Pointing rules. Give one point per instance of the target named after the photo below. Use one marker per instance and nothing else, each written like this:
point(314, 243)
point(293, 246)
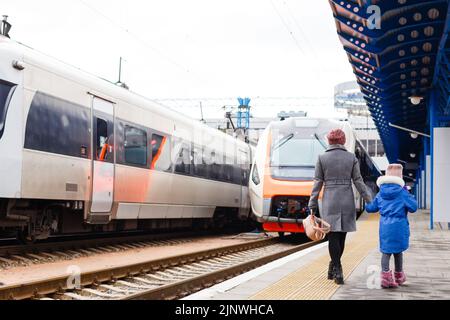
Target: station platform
point(303, 275)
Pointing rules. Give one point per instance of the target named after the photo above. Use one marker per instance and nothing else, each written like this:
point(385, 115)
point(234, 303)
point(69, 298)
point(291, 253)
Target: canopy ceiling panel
point(401, 53)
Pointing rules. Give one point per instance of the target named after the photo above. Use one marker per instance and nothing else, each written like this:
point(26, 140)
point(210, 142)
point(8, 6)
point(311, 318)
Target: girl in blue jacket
point(393, 202)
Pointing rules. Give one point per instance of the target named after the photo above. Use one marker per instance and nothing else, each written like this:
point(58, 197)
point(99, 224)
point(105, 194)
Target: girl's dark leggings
point(398, 260)
point(336, 245)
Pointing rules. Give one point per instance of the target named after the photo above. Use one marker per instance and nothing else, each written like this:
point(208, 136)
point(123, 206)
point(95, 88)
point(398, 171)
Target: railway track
point(168, 278)
point(22, 255)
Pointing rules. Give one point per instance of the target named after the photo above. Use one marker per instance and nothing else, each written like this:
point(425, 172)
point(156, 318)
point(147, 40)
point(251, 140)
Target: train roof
point(106, 87)
point(309, 123)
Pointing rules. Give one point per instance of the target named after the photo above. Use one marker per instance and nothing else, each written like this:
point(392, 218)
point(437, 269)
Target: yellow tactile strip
point(310, 282)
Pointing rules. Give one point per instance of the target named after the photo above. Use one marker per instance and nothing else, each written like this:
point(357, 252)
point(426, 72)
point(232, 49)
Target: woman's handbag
point(316, 228)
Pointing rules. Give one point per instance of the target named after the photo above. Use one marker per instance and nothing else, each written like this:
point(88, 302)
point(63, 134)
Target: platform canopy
point(398, 49)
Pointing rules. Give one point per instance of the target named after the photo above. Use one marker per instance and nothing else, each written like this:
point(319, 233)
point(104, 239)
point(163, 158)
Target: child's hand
point(373, 206)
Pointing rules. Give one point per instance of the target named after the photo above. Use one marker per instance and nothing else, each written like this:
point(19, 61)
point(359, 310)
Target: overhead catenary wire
point(307, 42)
point(286, 25)
point(196, 99)
point(302, 33)
point(259, 102)
point(145, 43)
point(256, 100)
point(137, 38)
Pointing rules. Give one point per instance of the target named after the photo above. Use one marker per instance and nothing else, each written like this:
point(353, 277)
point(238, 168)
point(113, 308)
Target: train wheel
point(301, 237)
point(281, 235)
point(23, 237)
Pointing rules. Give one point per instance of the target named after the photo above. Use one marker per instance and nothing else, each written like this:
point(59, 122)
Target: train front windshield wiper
point(320, 141)
point(282, 141)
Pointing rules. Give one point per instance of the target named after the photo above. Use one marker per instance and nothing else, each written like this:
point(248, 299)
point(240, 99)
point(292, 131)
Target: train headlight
point(255, 176)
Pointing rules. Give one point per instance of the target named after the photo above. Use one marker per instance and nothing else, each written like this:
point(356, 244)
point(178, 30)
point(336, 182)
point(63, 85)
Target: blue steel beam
point(400, 59)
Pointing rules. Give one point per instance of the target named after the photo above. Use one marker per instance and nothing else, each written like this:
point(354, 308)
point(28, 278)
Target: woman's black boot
point(331, 271)
point(339, 275)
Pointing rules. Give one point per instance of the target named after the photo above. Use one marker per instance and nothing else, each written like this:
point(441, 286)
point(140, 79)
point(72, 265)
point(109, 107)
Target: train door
point(102, 160)
point(359, 202)
point(244, 163)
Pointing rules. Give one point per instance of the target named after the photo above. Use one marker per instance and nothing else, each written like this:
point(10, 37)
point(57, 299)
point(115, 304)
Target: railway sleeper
point(175, 272)
point(170, 276)
point(76, 296)
point(205, 266)
point(136, 285)
point(208, 263)
point(149, 282)
point(36, 257)
point(156, 277)
point(224, 260)
point(7, 261)
point(101, 294)
point(116, 288)
point(196, 268)
point(188, 271)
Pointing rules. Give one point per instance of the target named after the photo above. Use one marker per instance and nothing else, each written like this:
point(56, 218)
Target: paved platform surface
point(303, 275)
point(426, 263)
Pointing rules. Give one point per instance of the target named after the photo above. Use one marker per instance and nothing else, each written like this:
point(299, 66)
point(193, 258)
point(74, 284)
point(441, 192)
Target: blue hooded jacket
point(393, 202)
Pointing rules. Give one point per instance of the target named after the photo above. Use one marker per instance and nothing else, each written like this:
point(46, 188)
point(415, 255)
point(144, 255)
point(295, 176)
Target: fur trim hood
point(390, 179)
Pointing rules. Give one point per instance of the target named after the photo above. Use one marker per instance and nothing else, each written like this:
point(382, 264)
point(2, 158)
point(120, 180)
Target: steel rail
point(182, 288)
point(60, 284)
point(93, 242)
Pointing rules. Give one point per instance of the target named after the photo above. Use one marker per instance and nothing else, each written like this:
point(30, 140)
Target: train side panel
point(55, 168)
point(11, 117)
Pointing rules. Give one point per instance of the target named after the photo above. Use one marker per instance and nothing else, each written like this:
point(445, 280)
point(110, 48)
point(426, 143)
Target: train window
point(380, 148)
point(285, 153)
point(371, 148)
point(246, 175)
point(215, 169)
point(135, 146)
point(227, 172)
point(244, 168)
point(208, 162)
point(238, 174)
point(358, 153)
point(156, 143)
point(255, 176)
point(6, 92)
point(183, 158)
point(101, 140)
point(363, 165)
point(59, 126)
point(160, 153)
point(199, 166)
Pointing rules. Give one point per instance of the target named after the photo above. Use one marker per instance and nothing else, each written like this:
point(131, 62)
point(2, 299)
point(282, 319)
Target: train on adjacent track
point(81, 154)
point(282, 174)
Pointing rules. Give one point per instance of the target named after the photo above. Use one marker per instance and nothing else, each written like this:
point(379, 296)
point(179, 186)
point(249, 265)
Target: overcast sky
point(192, 48)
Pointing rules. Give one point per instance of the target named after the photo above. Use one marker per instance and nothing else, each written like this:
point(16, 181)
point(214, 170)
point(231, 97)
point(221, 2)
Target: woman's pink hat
point(395, 170)
point(336, 136)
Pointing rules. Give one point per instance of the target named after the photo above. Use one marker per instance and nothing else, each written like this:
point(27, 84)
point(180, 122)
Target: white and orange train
point(79, 154)
point(282, 174)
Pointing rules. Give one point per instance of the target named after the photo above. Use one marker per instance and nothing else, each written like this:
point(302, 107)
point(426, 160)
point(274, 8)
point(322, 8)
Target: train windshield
point(294, 158)
point(6, 91)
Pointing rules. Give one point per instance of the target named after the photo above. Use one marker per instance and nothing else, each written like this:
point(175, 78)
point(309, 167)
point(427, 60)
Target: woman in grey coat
point(335, 171)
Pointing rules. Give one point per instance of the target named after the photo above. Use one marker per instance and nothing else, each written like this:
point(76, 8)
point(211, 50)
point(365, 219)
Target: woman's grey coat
point(335, 170)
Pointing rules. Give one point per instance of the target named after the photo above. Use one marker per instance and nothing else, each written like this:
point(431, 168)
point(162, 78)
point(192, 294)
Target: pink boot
point(400, 277)
point(387, 280)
